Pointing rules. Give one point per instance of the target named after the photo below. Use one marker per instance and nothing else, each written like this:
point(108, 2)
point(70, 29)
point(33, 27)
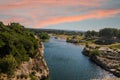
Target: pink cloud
point(41, 13)
point(36, 23)
point(48, 3)
point(92, 15)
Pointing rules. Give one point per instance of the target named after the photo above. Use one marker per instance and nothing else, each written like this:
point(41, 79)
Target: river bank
point(108, 59)
point(34, 69)
point(66, 62)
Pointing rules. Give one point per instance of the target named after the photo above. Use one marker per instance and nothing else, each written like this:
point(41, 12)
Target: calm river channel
point(66, 62)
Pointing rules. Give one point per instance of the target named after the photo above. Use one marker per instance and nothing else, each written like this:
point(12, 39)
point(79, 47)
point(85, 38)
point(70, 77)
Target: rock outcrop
point(36, 66)
point(108, 60)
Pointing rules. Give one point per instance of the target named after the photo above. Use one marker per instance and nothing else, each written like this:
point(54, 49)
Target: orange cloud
point(49, 3)
point(94, 14)
point(98, 14)
point(41, 13)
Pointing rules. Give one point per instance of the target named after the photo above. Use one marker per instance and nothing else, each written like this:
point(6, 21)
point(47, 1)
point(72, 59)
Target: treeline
point(53, 31)
point(16, 45)
point(43, 36)
point(104, 36)
point(106, 32)
point(109, 33)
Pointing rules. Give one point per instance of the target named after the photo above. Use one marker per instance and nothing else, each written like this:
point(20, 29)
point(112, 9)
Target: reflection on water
point(66, 62)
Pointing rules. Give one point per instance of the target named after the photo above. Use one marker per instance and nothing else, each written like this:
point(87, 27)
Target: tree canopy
point(43, 36)
point(90, 34)
point(17, 44)
point(109, 32)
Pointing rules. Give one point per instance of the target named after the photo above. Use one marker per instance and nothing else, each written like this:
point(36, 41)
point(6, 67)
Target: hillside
point(19, 49)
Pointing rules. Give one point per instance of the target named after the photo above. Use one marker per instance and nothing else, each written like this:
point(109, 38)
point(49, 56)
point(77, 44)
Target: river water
point(66, 62)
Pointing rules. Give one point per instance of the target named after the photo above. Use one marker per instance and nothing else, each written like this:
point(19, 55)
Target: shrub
point(1, 43)
point(44, 36)
point(95, 52)
point(8, 65)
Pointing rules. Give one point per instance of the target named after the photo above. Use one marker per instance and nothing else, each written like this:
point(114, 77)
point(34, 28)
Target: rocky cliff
point(34, 69)
point(108, 59)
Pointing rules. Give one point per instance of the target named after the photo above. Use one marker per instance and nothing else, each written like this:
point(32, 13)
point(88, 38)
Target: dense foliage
point(16, 45)
point(91, 34)
point(109, 32)
point(59, 32)
point(106, 33)
point(95, 52)
point(44, 36)
point(104, 36)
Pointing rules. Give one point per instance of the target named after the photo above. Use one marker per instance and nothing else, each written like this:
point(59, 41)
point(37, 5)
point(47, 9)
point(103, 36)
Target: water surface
point(66, 62)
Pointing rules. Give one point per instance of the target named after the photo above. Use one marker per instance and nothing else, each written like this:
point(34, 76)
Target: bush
point(8, 65)
point(44, 36)
point(1, 43)
point(95, 52)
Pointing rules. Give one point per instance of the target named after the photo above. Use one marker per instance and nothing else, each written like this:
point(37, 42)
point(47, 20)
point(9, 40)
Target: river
point(66, 62)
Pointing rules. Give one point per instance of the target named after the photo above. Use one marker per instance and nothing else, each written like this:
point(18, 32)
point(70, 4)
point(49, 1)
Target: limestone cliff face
point(35, 67)
point(109, 63)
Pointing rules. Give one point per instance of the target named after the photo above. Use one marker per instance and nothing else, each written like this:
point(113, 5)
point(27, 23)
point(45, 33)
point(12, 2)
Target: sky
point(80, 15)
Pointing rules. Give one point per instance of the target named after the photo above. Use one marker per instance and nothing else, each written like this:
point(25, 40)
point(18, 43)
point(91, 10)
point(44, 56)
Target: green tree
point(44, 36)
point(8, 64)
point(88, 34)
point(108, 32)
point(91, 34)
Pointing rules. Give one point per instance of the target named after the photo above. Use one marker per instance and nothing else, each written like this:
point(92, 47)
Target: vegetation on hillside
point(95, 52)
point(91, 34)
point(16, 45)
point(44, 36)
point(109, 32)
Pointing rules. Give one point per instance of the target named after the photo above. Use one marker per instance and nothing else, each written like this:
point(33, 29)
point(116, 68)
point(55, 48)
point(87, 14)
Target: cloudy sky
point(62, 14)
